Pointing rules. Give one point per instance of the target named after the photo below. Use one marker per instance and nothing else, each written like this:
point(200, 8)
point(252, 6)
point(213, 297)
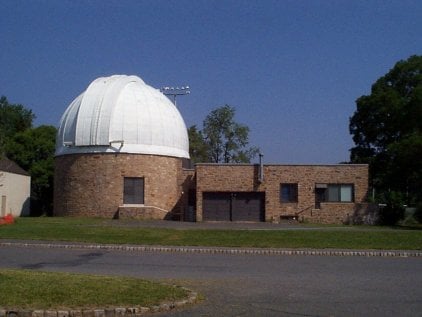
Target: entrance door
point(319, 197)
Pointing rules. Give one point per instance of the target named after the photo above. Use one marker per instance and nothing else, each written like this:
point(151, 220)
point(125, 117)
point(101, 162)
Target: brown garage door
point(233, 206)
point(216, 206)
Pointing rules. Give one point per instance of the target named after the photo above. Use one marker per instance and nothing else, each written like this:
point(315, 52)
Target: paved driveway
point(251, 285)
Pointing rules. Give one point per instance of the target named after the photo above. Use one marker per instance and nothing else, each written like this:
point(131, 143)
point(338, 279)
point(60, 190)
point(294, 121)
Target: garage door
point(216, 206)
point(233, 206)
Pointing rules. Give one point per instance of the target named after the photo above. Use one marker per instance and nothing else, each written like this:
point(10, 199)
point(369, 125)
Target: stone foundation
point(143, 213)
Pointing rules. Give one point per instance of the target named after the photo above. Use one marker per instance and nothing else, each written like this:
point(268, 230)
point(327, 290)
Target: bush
point(393, 212)
point(418, 213)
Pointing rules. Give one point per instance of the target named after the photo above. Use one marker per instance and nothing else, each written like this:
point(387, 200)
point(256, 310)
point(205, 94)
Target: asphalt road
point(252, 285)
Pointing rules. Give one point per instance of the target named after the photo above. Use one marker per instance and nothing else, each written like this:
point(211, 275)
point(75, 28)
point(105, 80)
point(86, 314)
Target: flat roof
point(255, 164)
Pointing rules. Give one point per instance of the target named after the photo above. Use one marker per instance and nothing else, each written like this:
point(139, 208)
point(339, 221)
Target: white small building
point(15, 189)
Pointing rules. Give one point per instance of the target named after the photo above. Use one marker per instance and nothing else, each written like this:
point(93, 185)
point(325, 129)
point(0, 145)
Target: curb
point(211, 250)
point(104, 312)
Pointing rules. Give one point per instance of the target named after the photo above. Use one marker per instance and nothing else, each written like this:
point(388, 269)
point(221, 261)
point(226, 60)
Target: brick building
point(316, 193)
point(122, 150)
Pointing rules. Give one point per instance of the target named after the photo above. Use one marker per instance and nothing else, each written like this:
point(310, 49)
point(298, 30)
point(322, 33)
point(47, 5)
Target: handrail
point(304, 209)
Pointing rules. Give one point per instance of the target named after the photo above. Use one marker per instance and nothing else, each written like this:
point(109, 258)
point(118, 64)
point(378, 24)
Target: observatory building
point(121, 143)
point(122, 151)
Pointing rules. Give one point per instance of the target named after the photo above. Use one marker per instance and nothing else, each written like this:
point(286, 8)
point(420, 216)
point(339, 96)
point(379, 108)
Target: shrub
point(393, 212)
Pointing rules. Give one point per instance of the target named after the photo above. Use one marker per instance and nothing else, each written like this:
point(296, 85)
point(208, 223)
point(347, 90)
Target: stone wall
point(92, 184)
point(241, 177)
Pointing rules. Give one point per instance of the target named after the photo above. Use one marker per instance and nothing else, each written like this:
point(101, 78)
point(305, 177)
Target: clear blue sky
point(293, 69)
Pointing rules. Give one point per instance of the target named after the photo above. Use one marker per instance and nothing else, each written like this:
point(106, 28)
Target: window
point(334, 192)
point(288, 193)
point(346, 193)
point(340, 193)
point(133, 191)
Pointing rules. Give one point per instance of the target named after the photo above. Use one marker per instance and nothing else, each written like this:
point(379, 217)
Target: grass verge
point(20, 289)
point(100, 231)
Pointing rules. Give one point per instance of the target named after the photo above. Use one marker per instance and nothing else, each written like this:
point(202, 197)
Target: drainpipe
point(261, 168)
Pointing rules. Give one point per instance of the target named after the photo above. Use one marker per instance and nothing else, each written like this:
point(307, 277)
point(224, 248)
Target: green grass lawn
point(21, 289)
point(101, 231)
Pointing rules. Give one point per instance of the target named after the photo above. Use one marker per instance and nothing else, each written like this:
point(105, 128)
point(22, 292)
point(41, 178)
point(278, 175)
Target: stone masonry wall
point(239, 177)
point(92, 184)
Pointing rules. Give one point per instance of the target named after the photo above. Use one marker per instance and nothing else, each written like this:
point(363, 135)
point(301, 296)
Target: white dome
point(122, 114)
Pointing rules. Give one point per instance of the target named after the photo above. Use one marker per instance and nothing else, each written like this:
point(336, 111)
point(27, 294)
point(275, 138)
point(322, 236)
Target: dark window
point(334, 192)
point(133, 192)
point(288, 193)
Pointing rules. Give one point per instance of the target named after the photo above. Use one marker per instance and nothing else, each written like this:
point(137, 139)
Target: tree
point(198, 149)
point(387, 131)
point(14, 118)
point(222, 140)
point(33, 149)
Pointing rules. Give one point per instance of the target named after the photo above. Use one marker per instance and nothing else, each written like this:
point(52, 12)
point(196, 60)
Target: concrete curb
point(104, 312)
point(217, 250)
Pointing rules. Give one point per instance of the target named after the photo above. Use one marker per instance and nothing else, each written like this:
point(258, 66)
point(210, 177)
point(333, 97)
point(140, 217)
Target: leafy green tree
point(222, 139)
point(387, 131)
point(226, 139)
point(14, 118)
point(33, 149)
point(198, 149)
